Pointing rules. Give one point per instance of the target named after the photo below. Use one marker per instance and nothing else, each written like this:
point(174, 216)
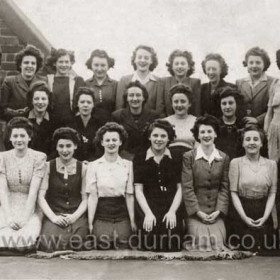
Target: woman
point(253, 186)
point(215, 67)
point(62, 197)
point(181, 66)
point(15, 88)
point(88, 120)
point(144, 60)
point(111, 193)
point(64, 84)
point(256, 88)
point(135, 118)
point(205, 188)
point(181, 98)
point(21, 173)
point(104, 87)
point(158, 192)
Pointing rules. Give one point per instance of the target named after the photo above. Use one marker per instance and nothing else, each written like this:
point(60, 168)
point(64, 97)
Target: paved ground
point(257, 268)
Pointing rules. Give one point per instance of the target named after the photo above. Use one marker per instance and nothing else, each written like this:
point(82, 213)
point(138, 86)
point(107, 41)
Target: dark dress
point(159, 187)
point(64, 197)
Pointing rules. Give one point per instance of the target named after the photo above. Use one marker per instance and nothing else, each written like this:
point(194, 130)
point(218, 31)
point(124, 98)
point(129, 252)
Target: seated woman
point(253, 186)
point(135, 118)
point(181, 98)
point(63, 84)
point(88, 120)
point(104, 87)
point(181, 66)
point(205, 189)
point(144, 60)
point(62, 197)
point(158, 192)
point(215, 67)
point(111, 193)
point(21, 173)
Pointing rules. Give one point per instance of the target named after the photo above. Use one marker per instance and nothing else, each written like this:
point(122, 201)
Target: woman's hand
point(250, 120)
point(60, 221)
point(13, 224)
point(202, 216)
point(133, 226)
point(213, 217)
point(249, 222)
point(260, 222)
point(70, 218)
point(170, 219)
point(149, 221)
point(90, 228)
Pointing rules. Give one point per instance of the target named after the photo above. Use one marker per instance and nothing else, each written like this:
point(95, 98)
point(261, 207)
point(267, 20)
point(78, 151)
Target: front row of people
point(177, 205)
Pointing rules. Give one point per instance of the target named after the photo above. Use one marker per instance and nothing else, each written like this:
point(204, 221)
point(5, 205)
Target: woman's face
point(213, 70)
point(206, 135)
point(180, 104)
point(40, 101)
point(111, 142)
point(252, 142)
point(99, 67)
point(85, 104)
point(228, 106)
point(20, 139)
point(65, 149)
point(158, 139)
point(143, 60)
point(255, 66)
point(180, 66)
point(28, 67)
point(63, 65)
point(135, 97)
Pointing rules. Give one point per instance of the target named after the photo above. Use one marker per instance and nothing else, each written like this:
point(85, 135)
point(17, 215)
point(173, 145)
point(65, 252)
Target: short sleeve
point(40, 165)
point(2, 165)
point(129, 186)
point(84, 172)
point(273, 176)
point(45, 181)
point(91, 180)
point(234, 175)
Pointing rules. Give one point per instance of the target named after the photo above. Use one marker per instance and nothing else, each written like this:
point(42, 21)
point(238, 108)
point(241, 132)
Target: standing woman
point(64, 84)
point(111, 193)
point(258, 87)
point(158, 192)
point(205, 188)
point(62, 196)
point(215, 67)
point(21, 173)
point(15, 88)
point(144, 60)
point(104, 87)
point(253, 186)
point(181, 66)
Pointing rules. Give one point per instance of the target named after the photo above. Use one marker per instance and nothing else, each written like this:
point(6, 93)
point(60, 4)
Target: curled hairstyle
point(165, 125)
point(110, 127)
point(252, 127)
point(153, 56)
point(39, 86)
point(179, 53)
point(29, 50)
point(56, 54)
point(205, 120)
point(138, 85)
point(181, 88)
point(81, 91)
point(68, 134)
point(257, 51)
point(19, 122)
point(217, 57)
point(101, 54)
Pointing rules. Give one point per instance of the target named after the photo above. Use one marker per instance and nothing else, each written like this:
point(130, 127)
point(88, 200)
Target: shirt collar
point(200, 154)
point(69, 169)
point(32, 115)
point(107, 80)
point(263, 78)
point(119, 160)
point(150, 153)
point(150, 77)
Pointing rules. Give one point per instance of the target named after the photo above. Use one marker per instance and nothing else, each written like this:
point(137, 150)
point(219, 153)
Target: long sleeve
point(120, 92)
point(160, 106)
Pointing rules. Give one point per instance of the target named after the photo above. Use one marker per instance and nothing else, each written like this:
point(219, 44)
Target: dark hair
point(179, 53)
point(181, 88)
point(39, 86)
point(101, 54)
point(153, 55)
point(205, 120)
point(19, 122)
point(56, 54)
point(110, 127)
point(252, 127)
point(217, 57)
point(81, 91)
point(165, 125)
point(29, 50)
point(138, 85)
point(278, 58)
point(257, 51)
point(66, 133)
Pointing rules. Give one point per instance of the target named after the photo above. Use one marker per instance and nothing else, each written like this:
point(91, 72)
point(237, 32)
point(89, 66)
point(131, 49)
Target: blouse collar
point(66, 169)
point(149, 77)
point(150, 153)
point(214, 155)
